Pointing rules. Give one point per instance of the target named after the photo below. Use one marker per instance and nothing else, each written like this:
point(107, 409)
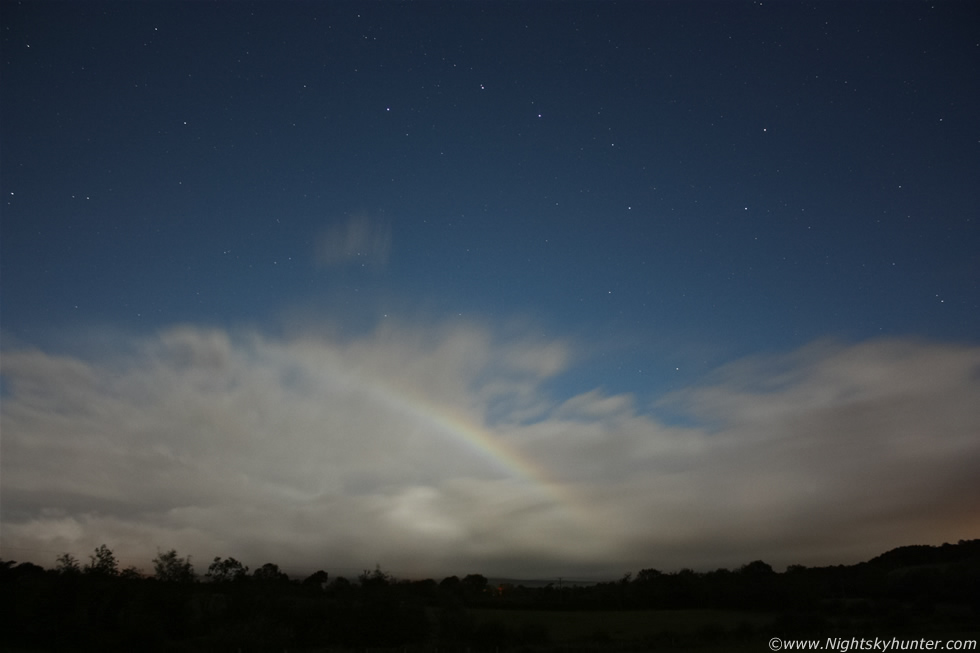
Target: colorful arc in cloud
point(487, 444)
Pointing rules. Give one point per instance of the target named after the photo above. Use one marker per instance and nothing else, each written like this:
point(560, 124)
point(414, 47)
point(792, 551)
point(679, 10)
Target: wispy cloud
point(358, 241)
point(398, 448)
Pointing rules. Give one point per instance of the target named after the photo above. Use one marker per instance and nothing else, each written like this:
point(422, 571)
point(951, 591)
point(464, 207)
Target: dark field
point(622, 628)
point(907, 593)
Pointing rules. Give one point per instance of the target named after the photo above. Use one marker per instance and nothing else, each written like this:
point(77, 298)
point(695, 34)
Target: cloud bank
point(437, 450)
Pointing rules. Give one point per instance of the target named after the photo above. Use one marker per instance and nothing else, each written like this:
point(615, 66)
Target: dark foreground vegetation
point(914, 591)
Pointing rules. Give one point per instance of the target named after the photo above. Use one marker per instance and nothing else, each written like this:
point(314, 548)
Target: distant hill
point(923, 554)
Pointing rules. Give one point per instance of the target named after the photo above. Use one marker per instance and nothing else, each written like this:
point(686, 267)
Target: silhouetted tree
point(269, 572)
point(102, 562)
point(229, 569)
point(67, 564)
point(450, 584)
point(756, 568)
point(647, 576)
point(131, 573)
point(340, 588)
point(475, 584)
point(649, 587)
point(317, 579)
point(99, 610)
point(374, 579)
point(170, 567)
point(427, 589)
point(27, 569)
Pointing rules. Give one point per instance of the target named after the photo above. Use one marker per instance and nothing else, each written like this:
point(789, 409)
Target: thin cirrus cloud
point(359, 240)
point(315, 452)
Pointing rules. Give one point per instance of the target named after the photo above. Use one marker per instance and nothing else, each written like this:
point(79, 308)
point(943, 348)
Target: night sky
point(524, 289)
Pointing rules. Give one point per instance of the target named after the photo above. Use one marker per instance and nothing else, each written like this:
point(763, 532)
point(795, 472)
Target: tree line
point(96, 605)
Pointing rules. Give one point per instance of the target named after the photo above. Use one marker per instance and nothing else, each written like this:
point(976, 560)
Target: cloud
point(412, 447)
point(360, 241)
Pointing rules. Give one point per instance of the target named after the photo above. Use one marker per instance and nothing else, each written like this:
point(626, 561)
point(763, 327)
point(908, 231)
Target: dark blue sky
point(735, 172)
point(670, 186)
